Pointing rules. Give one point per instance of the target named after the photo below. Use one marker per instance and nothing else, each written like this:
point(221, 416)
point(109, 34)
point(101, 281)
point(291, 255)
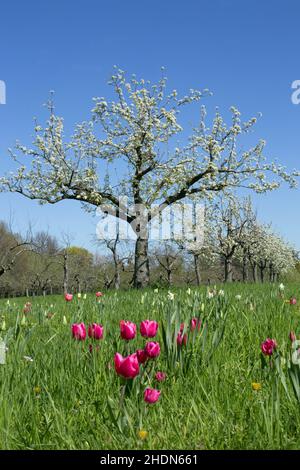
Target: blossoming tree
point(136, 133)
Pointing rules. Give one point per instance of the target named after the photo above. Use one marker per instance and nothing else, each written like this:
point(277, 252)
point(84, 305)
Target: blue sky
point(246, 53)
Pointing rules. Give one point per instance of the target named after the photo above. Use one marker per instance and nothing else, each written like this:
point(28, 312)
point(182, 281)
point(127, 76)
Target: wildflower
point(152, 349)
point(79, 295)
point(95, 331)
point(127, 330)
point(79, 331)
point(37, 390)
point(127, 367)
point(155, 291)
point(148, 328)
point(293, 301)
point(84, 296)
point(210, 295)
point(171, 296)
point(151, 395)
point(268, 346)
point(221, 293)
point(142, 434)
point(65, 322)
point(281, 287)
point(28, 358)
point(256, 386)
point(188, 291)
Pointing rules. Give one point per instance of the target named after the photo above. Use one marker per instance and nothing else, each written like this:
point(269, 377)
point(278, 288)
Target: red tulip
point(152, 349)
point(293, 301)
point(151, 395)
point(195, 323)
point(79, 331)
point(127, 329)
point(99, 294)
point(148, 328)
point(268, 346)
point(127, 367)
point(160, 376)
point(68, 297)
point(95, 331)
point(142, 356)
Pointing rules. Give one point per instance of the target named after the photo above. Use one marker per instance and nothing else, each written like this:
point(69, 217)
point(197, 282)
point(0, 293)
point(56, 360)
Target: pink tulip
point(292, 336)
point(182, 339)
point(95, 331)
point(152, 349)
point(79, 331)
point(195, 323)
point(268, 346)
point(127, 329)
point(99, 294)
point(127, 367)
point(142, 356)
point(148, 328)
point(151, 395)
point(68, 297)
point(160, 376)
point(293, 301)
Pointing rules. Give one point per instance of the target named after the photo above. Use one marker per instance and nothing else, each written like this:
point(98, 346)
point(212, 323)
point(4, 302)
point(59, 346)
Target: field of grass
point(57, 394)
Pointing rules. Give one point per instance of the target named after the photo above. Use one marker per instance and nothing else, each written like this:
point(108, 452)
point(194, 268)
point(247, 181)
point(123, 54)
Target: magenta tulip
point(160, 376)
point(195, 323)
point(148, 328)
point(127, 330)
point(79, 331)
point(68, 297)
point(151, 395)
point(95, 331)
point(127, 367)
point(152, 349)
point(268, 346)
point(292, 336)
point(182, 339)
point(142, 356)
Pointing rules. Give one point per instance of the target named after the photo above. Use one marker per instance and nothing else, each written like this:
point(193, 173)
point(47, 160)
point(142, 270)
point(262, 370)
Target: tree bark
point(262, 274)
point(141, 274)
point(197, 270)
point(228, 269)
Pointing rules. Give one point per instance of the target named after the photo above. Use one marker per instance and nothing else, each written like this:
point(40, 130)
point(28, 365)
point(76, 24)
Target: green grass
point(68, 398)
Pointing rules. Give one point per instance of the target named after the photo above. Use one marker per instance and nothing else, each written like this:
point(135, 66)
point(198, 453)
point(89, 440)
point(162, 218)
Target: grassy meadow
point(59, 393)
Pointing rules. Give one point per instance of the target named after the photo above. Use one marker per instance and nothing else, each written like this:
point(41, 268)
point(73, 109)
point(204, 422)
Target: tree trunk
point(197, 270)
point(141, 274)
point(245, 268)
point(66, 273)
point(254, 272)
point(170, 277)
point(117, 280)
point(262, 273)
point(228, 269)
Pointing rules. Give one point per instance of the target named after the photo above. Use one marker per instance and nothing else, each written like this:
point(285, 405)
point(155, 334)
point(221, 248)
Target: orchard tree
point(138, 133)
